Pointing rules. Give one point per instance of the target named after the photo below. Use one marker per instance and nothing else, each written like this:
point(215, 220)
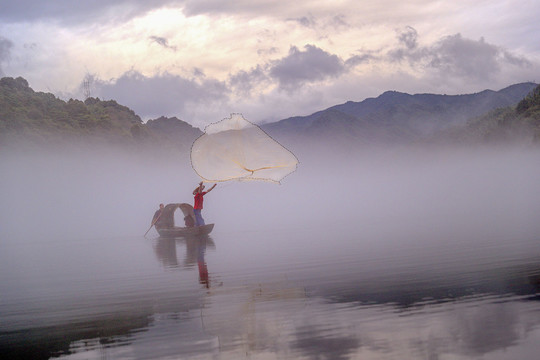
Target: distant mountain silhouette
point(174, 131)
point(396, 116)
point(39, 119)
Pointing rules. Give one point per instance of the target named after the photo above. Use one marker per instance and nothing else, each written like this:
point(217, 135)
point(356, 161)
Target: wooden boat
point(185, 231)
point(166, 227)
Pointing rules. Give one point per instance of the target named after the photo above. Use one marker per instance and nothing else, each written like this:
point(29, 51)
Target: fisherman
point(198, 206)
point(157, 216)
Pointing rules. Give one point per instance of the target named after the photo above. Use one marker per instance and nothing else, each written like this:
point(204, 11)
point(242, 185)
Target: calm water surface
point(292, 293)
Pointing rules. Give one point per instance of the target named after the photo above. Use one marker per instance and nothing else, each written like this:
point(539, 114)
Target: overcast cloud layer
point(201, 60)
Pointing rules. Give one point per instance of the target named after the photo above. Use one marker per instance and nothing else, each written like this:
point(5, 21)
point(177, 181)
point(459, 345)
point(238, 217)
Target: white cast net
point(236, 149)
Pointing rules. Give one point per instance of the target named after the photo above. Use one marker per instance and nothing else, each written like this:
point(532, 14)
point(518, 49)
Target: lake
point(270, 295)
point(425, 257)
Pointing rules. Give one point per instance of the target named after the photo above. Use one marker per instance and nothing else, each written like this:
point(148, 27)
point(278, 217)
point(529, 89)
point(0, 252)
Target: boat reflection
point(195, 250)
point(201, 264)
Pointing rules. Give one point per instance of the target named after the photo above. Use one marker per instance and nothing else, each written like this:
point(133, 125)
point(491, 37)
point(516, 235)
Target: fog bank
point(377, 193)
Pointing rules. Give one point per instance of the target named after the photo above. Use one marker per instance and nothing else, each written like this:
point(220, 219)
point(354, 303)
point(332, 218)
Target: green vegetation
point(23, 111)
point(33, 117)
point(510, 124)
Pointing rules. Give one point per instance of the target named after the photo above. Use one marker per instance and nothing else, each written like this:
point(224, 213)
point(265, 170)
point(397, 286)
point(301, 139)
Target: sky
point(200, 60)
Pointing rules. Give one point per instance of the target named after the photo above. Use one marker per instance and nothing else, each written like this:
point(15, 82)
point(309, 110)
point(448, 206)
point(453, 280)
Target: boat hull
point(185, 231)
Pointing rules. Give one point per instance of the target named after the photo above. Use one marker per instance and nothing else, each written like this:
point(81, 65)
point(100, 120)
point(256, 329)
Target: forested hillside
point(520, 123)
point(24, 111)
point(33, 117)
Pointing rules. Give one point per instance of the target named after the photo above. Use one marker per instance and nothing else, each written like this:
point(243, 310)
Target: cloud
point(308, 66)
point(339, 22)
point(454, 56)
point(244, 82)
point(5, 49)
point(308, 21)
point(408, 37)
point(67, 11)
point(462, 57)
point(164, 94)
point(306, 13)
point(217, 7)
point(326, 26)
point(267, 51)
point(163, 42)
point(359, 59)
point(407, 48)
point(516, 60)
point(200, 100)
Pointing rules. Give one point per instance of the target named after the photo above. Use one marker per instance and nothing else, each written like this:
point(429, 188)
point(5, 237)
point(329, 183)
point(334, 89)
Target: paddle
point(154, 222)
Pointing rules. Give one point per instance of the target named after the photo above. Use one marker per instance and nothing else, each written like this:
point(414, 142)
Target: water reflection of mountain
point(416, 288)
point(467, 315)
point(52, 341)
point(484, 328)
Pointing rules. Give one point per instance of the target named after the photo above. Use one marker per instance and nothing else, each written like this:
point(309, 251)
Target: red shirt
point(199, 200)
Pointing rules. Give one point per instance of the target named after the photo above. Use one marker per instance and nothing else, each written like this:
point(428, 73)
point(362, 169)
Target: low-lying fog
point(388, 194)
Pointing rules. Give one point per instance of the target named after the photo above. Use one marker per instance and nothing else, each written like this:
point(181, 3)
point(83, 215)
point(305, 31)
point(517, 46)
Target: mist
point(380, 243)
point(393, 194)
point(83, 193)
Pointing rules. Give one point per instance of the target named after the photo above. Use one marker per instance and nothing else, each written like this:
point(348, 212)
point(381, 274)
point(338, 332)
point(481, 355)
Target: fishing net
point(236, 149)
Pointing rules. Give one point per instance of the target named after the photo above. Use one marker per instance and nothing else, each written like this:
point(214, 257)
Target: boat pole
point(153, 223)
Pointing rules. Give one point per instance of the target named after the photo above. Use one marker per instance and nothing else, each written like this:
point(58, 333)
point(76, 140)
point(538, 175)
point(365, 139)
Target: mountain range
point(393, 117)
point(398, 117)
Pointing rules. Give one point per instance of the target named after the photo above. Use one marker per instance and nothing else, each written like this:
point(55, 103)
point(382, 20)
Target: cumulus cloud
point(462, 57)
point(199, 99)
point(163, 94)
point(302, 67)
point(454, 56)
point(5, 49)
point(244, 82)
